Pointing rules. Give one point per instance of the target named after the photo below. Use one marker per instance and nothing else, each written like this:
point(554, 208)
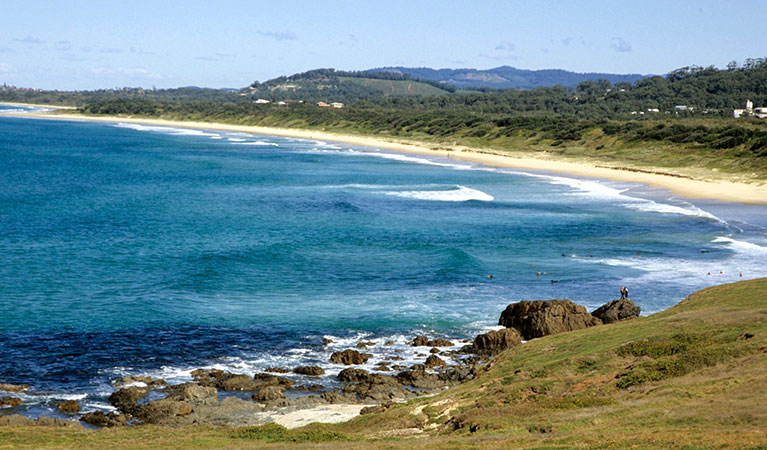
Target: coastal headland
point(697, 184)
point(687, 376)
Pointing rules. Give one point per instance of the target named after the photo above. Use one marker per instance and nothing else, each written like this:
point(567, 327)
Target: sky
point(81, 44)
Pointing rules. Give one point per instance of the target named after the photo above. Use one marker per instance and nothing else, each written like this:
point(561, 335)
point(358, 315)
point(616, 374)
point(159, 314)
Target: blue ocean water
point(131, 249)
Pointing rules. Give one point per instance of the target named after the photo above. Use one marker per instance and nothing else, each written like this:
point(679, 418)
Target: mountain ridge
point(506, 77)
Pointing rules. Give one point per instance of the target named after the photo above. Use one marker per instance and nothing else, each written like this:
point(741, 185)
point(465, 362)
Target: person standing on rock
point(624, 292)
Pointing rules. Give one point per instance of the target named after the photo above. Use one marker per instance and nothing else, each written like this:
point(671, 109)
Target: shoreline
point(677, 183)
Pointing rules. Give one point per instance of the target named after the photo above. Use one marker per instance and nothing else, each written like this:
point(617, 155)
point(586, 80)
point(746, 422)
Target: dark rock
point(13, 387)
point(158, 411)
point(389, 343)
point(439, 343)
point(418, 378)
point(327, 341)
point(365, 345)
point(617, 310)
point(348, 357)
point(543, 317)
point(193, 393)
point(383, 367)
point(276, 370)
point(126, 399)
point(99, 419)
point(16, 420)
point(434, 361)
point(10, 401)
point(309, 370)
point(239, 382)
point(353, 375)
point(308, 387)
point(266, 379)
point(226, 381)
point(69, 407)
point(268, 394)
point(420, 341)
point(149, 381)
point(495, 341)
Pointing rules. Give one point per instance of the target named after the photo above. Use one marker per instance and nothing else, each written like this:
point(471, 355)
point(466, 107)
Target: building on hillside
point(323, 105)
point(337, 105)
point(261, 101)
point(750, 111)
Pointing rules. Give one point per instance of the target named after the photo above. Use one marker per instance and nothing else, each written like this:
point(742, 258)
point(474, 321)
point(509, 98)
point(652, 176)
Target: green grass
point(395, 88)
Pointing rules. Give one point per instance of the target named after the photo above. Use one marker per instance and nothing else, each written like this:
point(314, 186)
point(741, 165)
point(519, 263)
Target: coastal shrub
point(656, 348)
point(677, 365)
point(272, 432)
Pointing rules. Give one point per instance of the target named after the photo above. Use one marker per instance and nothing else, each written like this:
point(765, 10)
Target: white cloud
point(135, 73)
point(30, 40)
point(63, 45)
point(7, 68)
point(506, 46)
point(620, 45)
point(279, 35)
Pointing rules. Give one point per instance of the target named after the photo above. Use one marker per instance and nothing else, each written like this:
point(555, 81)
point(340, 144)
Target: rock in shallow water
point(349, 357)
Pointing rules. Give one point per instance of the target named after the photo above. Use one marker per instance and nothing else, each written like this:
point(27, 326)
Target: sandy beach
point(697, 185)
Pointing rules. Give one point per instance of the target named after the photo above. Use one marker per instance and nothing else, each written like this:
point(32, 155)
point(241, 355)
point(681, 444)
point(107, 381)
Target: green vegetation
point(689, 377)
point(635, 126)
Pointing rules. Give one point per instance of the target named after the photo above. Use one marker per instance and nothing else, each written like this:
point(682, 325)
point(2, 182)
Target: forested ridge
point(681, 119)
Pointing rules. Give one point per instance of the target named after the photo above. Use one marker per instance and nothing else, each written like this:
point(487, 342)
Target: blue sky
point(104, 44)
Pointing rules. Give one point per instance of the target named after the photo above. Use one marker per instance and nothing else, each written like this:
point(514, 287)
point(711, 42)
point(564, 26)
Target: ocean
point(140, 250)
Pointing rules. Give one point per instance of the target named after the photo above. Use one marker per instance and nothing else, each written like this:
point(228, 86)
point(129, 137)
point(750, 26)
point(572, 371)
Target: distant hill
point(506, 77)
point(333, 85)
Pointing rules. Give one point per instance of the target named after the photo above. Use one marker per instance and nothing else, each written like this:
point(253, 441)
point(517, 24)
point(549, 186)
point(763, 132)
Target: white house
point(261, 101)
point(760, 112)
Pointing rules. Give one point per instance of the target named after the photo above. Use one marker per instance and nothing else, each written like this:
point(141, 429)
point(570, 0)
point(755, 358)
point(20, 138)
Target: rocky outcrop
point(276, 370)
point(16, 420)
point(434, 361)
point(226, 381)
point(617, 310)
point(193, 393)
point(313, 371)
point(349, 357)
point(10, 401)
point(268, 394)
point(126, 400)
point(99, 419)
point(267, 379)
point(495, 341)
point(69, 407)
point(13, 387)
point(139, 380)
point(353, 375)
point(423, 341)
point(539, 318)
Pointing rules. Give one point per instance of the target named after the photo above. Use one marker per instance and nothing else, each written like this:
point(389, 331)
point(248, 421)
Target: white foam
point(166, 130)
point(260, 143)
point(231, 139)
point(742, 246)
point(460, 194)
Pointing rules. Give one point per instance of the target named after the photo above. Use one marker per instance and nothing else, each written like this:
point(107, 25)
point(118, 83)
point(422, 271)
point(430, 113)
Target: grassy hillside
point(397, 88)
point(689, 377)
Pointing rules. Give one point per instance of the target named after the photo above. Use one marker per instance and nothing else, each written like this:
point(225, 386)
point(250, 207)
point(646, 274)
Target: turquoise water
point(130, 249)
